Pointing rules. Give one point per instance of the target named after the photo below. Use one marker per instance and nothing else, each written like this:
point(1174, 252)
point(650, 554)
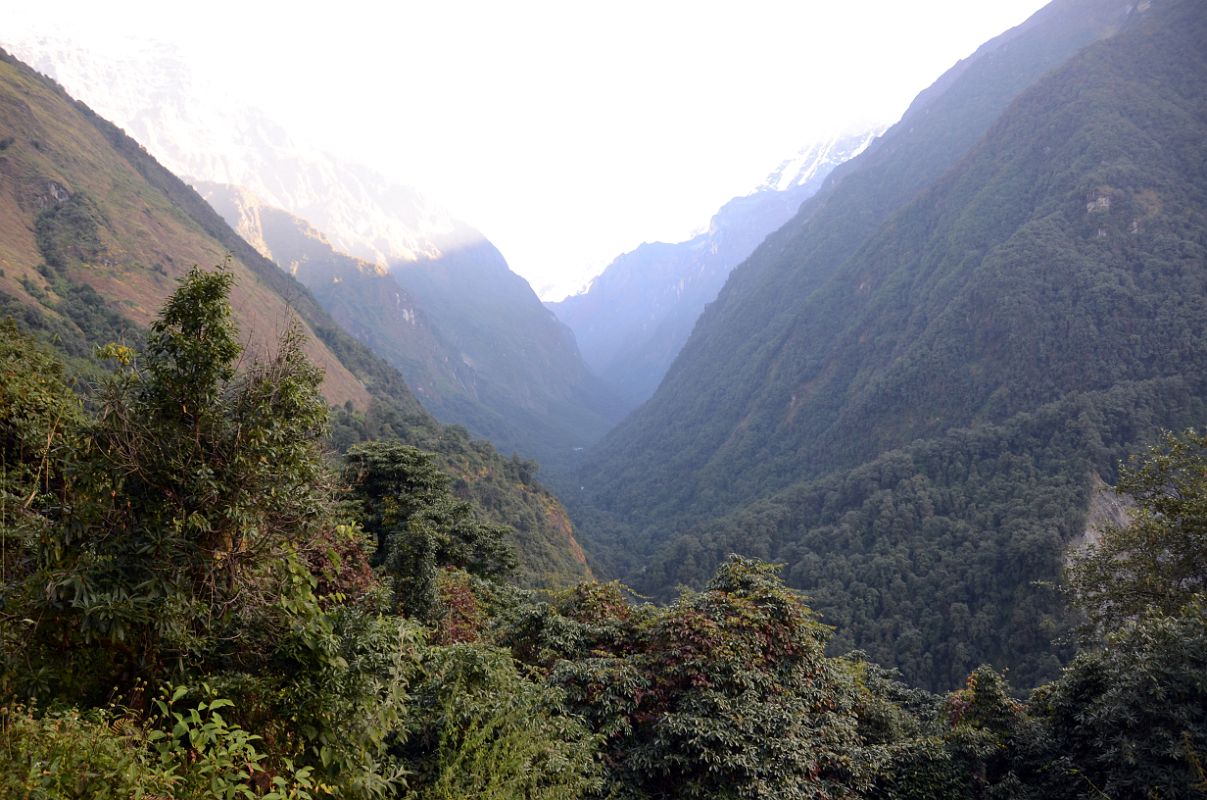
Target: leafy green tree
point(908, 727)
point(744, 701)
point(40, 417)
point(405, 503)
point(1158, 561)
point(189, 498)
point(479, 728)
point(1128, 717)
point(727, 693)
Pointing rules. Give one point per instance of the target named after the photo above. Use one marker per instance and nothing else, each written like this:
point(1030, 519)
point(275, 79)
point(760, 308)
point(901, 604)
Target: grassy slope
point(149, 239)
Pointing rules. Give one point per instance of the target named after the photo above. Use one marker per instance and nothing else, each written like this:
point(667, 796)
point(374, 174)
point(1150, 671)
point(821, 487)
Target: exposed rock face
point(1107, 509)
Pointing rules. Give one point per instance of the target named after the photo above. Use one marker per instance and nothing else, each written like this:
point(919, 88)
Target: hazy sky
point(567, 132)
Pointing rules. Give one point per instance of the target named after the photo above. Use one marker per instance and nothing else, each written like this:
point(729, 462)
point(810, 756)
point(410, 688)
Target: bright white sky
point(567, 132)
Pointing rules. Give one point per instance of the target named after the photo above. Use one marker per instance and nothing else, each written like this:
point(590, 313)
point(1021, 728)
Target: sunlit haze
point(567, 133)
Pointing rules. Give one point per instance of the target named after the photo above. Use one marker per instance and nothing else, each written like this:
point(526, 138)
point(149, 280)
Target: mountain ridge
point(1059, 257)
point(742, 332)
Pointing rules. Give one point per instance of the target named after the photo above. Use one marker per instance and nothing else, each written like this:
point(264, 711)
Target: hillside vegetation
point(636, 315)
point(192, 605)
point(94, 235)
point(909, 389)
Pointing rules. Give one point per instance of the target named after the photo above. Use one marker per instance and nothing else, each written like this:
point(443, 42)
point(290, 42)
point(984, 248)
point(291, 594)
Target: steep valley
point(910, 500)
point(638, 313)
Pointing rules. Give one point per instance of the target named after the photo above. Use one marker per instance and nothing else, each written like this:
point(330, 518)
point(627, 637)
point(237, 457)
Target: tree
point(1157, 562)
point(1128, 717)
point(39, 418)
point(40, 421)
point(479, 728)
point(725, 693)
point(189, 498)
point(406, 505)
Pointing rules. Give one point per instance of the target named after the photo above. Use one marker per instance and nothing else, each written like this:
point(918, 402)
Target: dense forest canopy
point(195, 602)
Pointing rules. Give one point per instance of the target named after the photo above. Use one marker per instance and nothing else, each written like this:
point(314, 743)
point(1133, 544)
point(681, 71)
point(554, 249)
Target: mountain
point(634, 318)
point(94, 235)
point(531, 390)
point(198, 131)
point(362, 297)
point(1004, 294)
point(499, 364)
point(464, 330)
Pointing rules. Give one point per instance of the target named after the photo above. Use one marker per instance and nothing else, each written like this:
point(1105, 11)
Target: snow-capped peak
point(809, 161)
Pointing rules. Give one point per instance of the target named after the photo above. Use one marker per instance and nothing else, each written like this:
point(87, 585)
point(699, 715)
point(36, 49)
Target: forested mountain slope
point(927, 556)
point(1047, 296)
point(636, 315)
point(469, 335)
point(704, 409)
point(94, 235)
